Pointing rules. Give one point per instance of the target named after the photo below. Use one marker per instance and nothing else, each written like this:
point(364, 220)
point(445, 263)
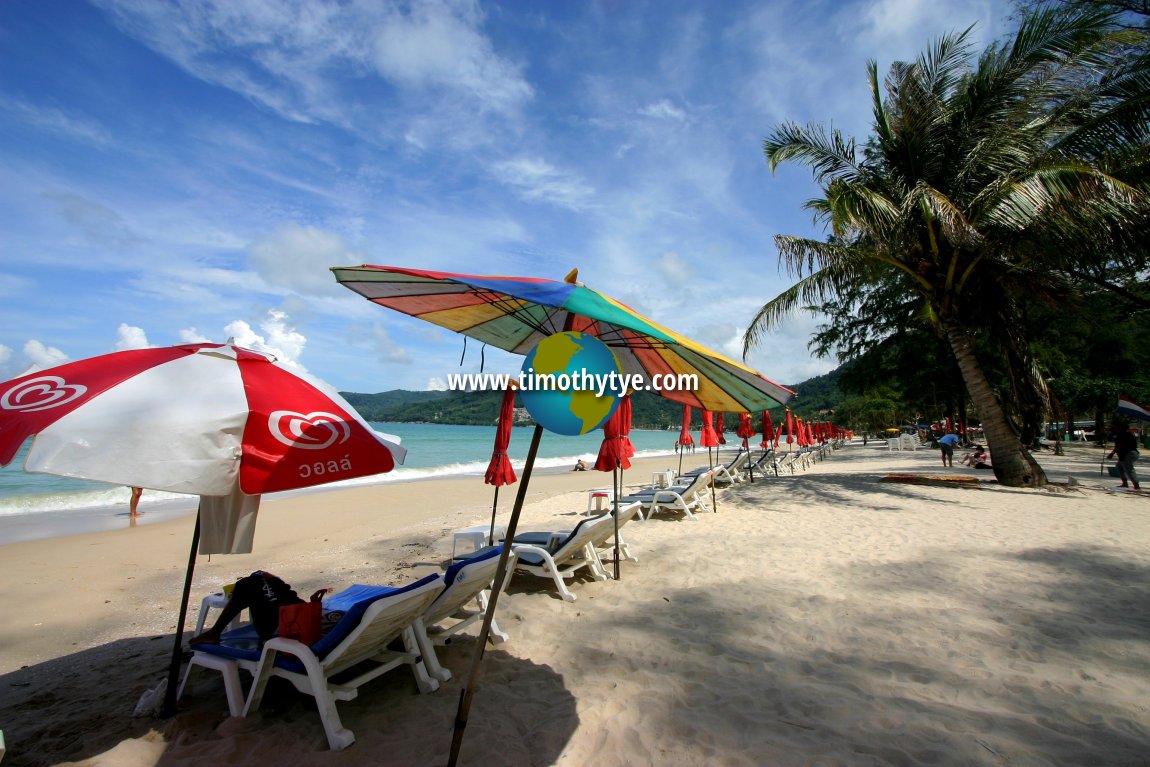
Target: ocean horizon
point(37, 505)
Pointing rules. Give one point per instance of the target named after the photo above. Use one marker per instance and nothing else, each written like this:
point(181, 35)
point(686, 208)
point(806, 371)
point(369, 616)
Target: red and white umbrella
point(191, 419)
point(203, 419)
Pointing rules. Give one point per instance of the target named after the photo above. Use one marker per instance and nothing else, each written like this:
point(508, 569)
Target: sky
point(173, 172)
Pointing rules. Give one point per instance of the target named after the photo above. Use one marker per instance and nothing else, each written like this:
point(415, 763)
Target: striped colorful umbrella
point(516, 313)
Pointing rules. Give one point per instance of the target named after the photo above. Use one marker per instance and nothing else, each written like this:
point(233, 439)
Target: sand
point(820, 618)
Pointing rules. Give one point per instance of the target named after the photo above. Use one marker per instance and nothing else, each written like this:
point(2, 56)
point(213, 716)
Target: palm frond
point(830, 156)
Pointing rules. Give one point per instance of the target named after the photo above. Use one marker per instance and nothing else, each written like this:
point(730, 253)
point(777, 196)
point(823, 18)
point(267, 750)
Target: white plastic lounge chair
point(725, 474)
point(685, 498)
point(560, 555)
point(374, 618)
point(604, 543)
point(468, 581)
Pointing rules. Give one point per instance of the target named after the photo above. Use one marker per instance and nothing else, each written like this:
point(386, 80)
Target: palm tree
point(975, 189)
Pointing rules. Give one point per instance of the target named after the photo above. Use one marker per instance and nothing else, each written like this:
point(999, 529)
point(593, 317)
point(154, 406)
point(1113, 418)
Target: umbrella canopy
point(708, 437)
point(499, 471)
point(790, 427)
point(516, 313)
point(613, 451)
point(768, 430)
point(194, 419)
point(745, 430)
point(685, 437)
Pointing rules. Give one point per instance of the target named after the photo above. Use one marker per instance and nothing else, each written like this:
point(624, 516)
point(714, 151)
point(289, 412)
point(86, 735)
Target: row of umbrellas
point(229, 424)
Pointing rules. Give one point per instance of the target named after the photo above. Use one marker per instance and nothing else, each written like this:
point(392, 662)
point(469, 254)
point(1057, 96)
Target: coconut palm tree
point(976, 185)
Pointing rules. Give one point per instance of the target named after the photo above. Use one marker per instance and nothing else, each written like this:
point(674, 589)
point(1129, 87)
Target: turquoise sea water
point(433, 450)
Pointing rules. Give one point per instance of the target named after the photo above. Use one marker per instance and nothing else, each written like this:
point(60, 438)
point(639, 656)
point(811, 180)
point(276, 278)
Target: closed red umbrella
point(500, 471)
point(790, 427)
point(746, 431)
point(685, 437)
point(614, 456)
point(719, 429)
point(709, 439)
point(768, 430)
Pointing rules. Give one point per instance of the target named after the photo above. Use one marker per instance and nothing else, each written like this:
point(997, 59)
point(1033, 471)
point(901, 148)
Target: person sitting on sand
point(261, 594)
point(976, 456)
point(580, 466)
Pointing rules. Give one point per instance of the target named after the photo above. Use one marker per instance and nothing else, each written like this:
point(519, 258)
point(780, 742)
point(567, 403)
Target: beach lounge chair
point(604, 543)
point(767, 462)
point(467, 581)
point(725, 474)
point(686, 498)
point(363, 643)
point(560, 555)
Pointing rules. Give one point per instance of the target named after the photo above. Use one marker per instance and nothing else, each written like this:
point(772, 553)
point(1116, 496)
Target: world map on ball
point(573, 410)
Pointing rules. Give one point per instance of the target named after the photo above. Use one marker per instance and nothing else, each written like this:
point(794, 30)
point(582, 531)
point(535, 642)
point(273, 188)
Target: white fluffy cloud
point(436, 384)
point(44, 356)
point(278, 337)
point(131, 337)
point(298, 258)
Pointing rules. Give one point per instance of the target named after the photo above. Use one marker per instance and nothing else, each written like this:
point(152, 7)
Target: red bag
point(302, 622)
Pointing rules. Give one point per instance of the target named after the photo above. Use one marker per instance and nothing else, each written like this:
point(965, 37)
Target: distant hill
point(649, 411)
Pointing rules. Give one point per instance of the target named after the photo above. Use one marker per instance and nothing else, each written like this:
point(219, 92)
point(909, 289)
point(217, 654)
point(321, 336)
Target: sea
point(42, 505)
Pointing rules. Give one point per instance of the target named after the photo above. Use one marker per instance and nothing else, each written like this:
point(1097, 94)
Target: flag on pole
point(1132, 409)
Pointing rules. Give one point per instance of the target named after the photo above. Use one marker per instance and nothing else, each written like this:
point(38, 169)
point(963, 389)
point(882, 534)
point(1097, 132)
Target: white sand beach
point(820, 618)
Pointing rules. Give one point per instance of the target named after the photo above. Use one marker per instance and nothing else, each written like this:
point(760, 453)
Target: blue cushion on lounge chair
point(482, 554)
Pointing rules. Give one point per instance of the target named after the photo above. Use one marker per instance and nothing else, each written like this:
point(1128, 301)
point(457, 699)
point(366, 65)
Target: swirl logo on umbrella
point(314, 431)
point(43, 393)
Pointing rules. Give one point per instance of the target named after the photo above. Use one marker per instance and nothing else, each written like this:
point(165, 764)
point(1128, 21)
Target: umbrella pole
point(169, 708)
point(616, 491)
point(711, 466)
point(494, 506)
point(467, 694)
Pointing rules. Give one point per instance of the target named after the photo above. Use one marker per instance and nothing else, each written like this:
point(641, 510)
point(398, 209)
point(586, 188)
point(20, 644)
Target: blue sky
point(182, 171)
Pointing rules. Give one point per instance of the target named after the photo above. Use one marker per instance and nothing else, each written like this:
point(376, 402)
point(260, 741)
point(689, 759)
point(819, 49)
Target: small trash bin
point(1146, 441)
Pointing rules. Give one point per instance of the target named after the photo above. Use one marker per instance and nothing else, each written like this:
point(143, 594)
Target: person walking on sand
point(947, 443)
point(1126, 447)
point(133, 505)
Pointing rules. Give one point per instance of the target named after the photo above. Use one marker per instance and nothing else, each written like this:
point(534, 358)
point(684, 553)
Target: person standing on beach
point(947, 443)
point(1126, 448)
point(133, 505)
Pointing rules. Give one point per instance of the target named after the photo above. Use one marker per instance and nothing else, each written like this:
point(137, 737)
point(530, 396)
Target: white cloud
point(130, 337)
point(536, 179)
point(298, 258)
point(388, 349)
point(192, 336)
point(44, 356)
point(57, 121)
point(279, 338)
point(664, 110)
point(436, 384)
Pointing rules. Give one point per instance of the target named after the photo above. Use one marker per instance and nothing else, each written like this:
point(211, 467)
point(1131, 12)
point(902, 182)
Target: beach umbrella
point(500, 471)
point(790, 427)
point(768, 430)
point(515, 314)
point(719, 428)
point(629, 446)
point(746, 430)
point(613, 457)
point(214, 420)
point(685, 437)
point(709, 439)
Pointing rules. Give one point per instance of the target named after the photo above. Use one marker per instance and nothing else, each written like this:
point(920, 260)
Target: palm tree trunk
point(1013, 464)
